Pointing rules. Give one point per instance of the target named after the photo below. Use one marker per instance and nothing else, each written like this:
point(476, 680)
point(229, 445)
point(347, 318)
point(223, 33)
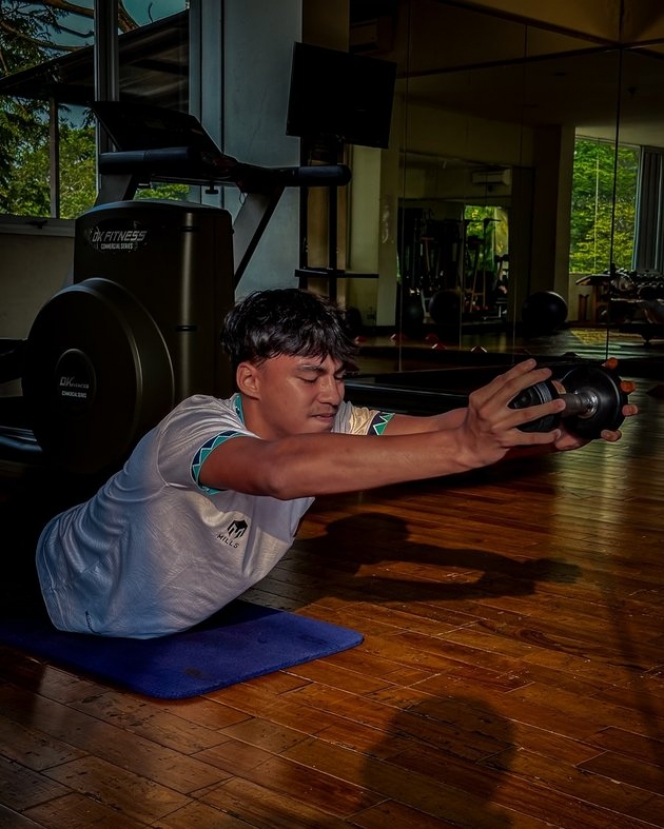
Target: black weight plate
point(533, 396)
point(605, 384)
point(97, 375)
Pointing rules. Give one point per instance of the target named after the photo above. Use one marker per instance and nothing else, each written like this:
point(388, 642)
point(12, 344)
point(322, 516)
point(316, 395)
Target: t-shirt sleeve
point(359, 420)
point(189, 435)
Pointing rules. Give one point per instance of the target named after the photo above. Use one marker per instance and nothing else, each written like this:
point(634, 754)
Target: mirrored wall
point(530, 174)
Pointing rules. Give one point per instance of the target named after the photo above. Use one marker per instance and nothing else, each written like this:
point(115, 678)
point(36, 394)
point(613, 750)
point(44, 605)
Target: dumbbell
point(594, 399)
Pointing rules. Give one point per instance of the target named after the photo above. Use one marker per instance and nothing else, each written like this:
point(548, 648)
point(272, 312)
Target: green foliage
point(24, 160)
point(178, 192)
point(604, 191)
point(31, 34)
point(78, 170)
point(25, 175)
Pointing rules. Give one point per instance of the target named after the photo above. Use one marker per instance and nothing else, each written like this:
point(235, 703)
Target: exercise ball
point(445, 307)
point(543, 312)
point(352, 318)
point(412, 316)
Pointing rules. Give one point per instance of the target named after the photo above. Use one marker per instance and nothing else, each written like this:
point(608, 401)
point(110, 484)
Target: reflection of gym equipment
point(429, 253)
point(631, 300)
point(501, 284)
point(479, 275)
point(138, 330)
point(594, 399)
point(410, 314)
point(450, 271)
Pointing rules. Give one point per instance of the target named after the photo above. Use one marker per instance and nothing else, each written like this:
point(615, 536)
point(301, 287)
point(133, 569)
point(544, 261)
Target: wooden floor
point(511, 674)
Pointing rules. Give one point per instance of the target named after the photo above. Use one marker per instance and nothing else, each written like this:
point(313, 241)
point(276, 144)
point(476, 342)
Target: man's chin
point(322, 424)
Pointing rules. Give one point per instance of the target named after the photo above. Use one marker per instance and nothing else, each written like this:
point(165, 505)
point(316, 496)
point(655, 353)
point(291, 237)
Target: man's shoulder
point(206, 404)
point(203, 411)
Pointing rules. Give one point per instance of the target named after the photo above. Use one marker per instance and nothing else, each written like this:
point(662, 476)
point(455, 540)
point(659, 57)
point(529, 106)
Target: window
point(604, 196)
point(48, 135)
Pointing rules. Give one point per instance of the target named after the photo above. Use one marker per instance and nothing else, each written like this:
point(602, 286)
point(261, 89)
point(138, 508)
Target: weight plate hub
point(604, 384)
point(97, 375)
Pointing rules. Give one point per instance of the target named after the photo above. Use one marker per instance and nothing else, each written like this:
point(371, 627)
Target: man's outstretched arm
point(411, 448)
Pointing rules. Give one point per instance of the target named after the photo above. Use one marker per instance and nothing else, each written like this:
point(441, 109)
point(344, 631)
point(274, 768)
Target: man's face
point(288, 395)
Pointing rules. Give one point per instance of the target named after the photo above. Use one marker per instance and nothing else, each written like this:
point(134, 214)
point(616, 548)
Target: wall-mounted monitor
point(338, 96)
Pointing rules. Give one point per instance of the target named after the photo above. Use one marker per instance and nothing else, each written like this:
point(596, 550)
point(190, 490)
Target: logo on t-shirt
point(233, 532)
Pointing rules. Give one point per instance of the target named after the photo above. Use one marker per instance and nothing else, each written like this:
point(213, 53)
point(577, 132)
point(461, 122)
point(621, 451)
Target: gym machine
point(137, 330)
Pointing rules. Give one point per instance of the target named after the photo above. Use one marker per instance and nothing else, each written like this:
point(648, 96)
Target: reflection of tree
point(603, 215)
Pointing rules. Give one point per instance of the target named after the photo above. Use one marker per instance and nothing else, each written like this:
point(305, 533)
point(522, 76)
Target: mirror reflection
point(528, 192)
point(520, 196)
point(530, 189)
point(488, 236)
point(636, 286)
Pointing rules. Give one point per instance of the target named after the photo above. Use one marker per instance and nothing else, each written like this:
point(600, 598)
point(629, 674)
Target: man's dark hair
point(286, 321)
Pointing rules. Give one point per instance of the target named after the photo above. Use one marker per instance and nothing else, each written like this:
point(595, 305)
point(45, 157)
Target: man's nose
point(331, 390)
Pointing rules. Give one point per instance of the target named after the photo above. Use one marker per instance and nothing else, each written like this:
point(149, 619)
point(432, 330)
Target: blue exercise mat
point(240, 642)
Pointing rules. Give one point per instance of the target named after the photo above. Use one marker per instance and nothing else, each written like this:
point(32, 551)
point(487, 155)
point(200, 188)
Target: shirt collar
point(237, 405)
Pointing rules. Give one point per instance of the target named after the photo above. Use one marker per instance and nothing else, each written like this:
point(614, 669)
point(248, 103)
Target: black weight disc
point(533, 396)
point(604, 384)
point(97, 375)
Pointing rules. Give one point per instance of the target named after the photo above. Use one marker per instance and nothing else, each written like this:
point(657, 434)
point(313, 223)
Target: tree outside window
point(35, 34)
point(604, 194)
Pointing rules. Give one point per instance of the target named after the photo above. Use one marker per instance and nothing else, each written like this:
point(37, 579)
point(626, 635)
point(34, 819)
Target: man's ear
point(246, 378)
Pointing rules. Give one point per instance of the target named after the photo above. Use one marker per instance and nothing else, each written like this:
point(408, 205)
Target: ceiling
point(457, 57)
point(602, 94)
point(450, 55)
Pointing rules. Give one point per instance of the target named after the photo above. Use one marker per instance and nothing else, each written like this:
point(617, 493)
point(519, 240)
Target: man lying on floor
point(211, 498)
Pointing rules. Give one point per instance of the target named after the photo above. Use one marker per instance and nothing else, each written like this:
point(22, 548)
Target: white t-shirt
point(155, 552)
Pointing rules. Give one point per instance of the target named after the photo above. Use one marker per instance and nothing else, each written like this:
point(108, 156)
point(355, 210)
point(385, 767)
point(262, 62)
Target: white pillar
point(240, 66)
